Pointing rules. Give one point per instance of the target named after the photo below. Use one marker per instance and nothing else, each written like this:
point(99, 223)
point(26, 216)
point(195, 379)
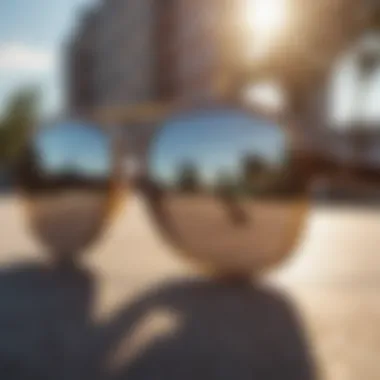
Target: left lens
point(67, 176)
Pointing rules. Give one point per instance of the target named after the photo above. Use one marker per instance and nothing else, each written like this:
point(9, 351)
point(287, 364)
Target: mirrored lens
point(67, 178)
point(227, 188)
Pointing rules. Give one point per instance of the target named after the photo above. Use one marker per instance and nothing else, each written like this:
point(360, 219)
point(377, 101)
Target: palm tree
point(19, 117)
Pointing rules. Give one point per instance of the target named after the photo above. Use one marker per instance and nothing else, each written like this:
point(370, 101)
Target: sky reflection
point(77, 146)
point(215, 142)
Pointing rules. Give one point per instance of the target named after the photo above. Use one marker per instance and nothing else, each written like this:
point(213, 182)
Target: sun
point(266, 20)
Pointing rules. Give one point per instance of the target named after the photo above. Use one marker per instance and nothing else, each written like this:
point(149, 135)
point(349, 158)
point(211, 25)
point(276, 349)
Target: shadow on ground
point(181, 330)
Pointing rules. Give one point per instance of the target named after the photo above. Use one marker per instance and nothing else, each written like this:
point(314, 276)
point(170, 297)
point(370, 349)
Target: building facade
point(150, 50)
point(114, 53)
point(81, 65)
point(125, 67)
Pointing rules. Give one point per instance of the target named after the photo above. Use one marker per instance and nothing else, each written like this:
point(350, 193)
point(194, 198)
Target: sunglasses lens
point(227, 188)
point(67, 179)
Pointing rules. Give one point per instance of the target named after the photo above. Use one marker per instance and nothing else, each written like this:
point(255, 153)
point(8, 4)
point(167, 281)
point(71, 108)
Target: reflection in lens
point(227, 188)
point(67, 177)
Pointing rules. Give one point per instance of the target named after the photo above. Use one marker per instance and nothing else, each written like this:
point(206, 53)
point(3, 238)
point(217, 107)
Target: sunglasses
point(229, 188)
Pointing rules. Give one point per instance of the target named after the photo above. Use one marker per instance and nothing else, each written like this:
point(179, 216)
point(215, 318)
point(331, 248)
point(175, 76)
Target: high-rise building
point(112, 57)
point(131, 52)
point(80, 65)
point(126, 56)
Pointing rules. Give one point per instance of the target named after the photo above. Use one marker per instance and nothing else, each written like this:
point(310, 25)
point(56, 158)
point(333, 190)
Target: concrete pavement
point(48, 321)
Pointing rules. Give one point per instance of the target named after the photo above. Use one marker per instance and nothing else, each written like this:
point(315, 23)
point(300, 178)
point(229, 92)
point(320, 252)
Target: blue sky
point(31, 33)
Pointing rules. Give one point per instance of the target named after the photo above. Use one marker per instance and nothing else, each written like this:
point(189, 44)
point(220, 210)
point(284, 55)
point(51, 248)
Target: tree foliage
point(19, 117)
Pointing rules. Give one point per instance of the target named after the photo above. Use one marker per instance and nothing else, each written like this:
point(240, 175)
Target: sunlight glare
point(266, 19)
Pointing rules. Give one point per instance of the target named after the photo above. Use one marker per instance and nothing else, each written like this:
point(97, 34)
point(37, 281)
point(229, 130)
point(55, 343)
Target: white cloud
point(20, 57)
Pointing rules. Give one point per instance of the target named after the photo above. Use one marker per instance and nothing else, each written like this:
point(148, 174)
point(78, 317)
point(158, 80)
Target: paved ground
point(141, 312)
